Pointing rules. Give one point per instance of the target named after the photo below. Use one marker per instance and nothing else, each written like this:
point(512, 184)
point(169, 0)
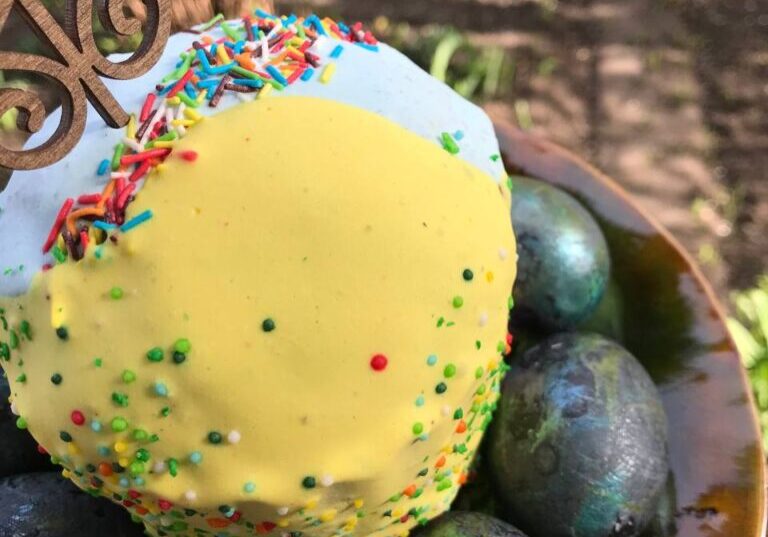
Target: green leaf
point(746, 344)
point(444, 52)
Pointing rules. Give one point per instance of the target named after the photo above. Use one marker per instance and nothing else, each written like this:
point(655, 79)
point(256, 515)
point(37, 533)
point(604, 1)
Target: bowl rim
point(509, 133)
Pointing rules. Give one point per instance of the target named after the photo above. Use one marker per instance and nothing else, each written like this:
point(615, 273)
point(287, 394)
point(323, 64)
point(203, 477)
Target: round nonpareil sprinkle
point(379, 362)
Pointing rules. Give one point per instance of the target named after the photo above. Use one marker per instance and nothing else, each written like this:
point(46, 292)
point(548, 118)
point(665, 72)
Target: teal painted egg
point(578, 444)
point(18, 451)
point(467, 524)
point(564, 263)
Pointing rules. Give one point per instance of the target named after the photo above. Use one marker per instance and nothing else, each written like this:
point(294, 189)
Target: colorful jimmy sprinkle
point(259, 54)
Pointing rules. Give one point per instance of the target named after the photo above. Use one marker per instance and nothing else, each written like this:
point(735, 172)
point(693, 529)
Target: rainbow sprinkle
point(258, 54)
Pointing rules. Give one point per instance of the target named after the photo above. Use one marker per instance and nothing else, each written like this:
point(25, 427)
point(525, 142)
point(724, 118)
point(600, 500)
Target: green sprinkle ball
point(155, 355)
point(56, 379)
point(309, 482)
point(268, 325)
point(128, 376)
point(21, 423)
point(468, 275)
point(65, 436)
point(119, 424)
point(142, 455)
point(441, 388)
point(179, 357)
point(62, 333)
point(449, 371)
point(116, 293)
point(214, 437)
point(458, 302)
point(182, 345)
point(417, 428)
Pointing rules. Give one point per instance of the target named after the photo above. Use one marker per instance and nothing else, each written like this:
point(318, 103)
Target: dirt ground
point(670, 97)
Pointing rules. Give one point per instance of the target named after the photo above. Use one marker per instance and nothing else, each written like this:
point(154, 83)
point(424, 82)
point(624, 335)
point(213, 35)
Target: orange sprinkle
point(218, 522)
point(207, 39)
point(141, 510)
point(461, 427)
point(105, 469)
point(106, 194)
point(410, 490)
point(440, 462)
point(74, 215)
point(245, 61)
point(279, 58)
point(462, 478)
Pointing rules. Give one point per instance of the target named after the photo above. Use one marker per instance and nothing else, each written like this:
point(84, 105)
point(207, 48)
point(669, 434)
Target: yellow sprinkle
point(201, 97)
point(397, 513)
point(478, 399)
point(73, 449)
point(456, 469)
point(351, 521)
point(489, 276)
point(164, 145)
point(283, 522)
point(123, 462)
point(404, 533)
point(492, 364)
point(153, 509)
point(182, 122)
point(328, 73)
point(359, 503)
point(447, 449)
point(119, 447)
point(311, 504)
point(192, 114)
point(173, 101)
point(266, 90)
point(66, 474)
point(130, 129)
point(160, 168)
point(328, 515)
point(221, 53)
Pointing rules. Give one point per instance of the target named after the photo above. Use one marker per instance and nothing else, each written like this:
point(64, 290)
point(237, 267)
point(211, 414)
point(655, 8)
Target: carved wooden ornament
point(77, 71)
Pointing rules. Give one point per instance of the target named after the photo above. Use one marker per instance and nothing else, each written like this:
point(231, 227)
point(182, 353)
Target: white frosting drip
point(384, 82)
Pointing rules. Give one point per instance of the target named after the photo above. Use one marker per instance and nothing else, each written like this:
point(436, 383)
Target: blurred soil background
point(668, 97)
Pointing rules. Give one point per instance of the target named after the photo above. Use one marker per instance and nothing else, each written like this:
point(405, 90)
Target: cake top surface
point(368, 75)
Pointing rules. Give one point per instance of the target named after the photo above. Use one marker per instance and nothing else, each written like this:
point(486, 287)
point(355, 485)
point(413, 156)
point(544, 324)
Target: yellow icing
point(352, 234)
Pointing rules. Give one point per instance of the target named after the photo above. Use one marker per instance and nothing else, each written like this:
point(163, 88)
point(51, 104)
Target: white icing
point(384, 82)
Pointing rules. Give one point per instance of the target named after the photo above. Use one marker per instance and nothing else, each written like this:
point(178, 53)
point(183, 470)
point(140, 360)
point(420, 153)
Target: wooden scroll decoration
point(77, 71)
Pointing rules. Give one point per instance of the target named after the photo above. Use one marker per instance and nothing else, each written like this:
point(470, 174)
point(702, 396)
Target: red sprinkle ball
point(78, 418)
point(189, 156)
point(379, 362)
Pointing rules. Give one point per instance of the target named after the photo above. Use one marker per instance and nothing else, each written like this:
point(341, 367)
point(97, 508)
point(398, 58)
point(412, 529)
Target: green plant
point(749, 327)
point(474, 71)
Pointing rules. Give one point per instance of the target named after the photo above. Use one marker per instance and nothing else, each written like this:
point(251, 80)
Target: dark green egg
point(18, 451)
point(467, 524)
point(563, 259)
point(578, 444)
point(47, 505)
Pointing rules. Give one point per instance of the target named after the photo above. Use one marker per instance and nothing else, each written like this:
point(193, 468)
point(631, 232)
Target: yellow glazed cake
point(280, 315)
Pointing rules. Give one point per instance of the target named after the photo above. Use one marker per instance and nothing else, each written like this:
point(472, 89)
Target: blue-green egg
point(467, 524)
point(18, 451)
point(578, 445)
point(563, 264)
point(47, 505)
